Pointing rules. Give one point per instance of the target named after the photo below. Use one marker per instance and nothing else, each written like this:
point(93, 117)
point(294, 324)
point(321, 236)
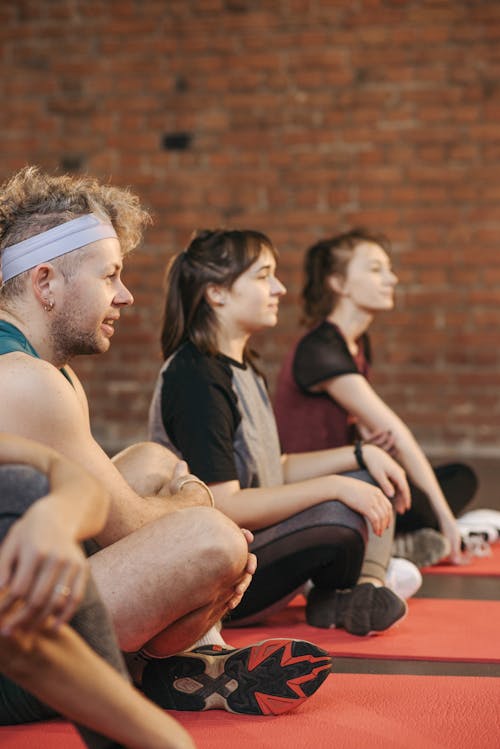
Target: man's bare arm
point(56, 414)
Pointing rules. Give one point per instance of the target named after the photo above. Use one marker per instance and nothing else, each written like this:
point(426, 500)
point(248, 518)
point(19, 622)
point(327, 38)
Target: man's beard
point(69, 341)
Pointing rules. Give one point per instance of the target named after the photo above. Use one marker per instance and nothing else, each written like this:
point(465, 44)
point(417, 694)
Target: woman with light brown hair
point(324, 398)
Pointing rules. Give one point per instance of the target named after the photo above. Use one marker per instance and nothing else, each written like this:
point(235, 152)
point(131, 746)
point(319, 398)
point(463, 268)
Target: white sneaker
point(478, 528)
point(403, 577)
point(486, 517)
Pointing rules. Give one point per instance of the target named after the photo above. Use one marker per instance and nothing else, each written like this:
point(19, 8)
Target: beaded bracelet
point(358, 454)
point(195, 480)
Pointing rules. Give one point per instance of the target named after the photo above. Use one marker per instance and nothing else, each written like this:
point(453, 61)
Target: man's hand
point(43, 573)
point(246, 578)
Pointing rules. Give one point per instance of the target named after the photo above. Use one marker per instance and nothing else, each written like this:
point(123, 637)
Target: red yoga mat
point(353, 711)
point(434, 629)
point(350, 711)
point(488, 566)
point(56, 734)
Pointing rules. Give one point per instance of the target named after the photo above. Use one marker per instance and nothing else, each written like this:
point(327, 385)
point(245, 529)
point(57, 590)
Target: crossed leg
point(171, 580)
point(66, 669)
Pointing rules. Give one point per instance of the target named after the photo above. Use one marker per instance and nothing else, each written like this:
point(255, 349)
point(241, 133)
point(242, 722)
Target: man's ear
point(336, 283)
point(42, 282)
point(215, 295)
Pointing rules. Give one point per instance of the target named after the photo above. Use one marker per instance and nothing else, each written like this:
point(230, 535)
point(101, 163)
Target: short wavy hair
point(33, 201)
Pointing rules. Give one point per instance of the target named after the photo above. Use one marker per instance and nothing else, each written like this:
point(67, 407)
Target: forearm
point(61, 670)
point(79, 501)
point(420, 472)
point(75, 498)
point(302, 466)
point(259, 508)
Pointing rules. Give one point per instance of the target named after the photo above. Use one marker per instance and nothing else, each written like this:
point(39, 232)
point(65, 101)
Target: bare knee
point(147, 467)
point(217, 543)
point(228, 546)
point(181, 563)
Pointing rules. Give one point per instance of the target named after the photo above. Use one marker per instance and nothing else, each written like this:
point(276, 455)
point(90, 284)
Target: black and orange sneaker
point(269, 678)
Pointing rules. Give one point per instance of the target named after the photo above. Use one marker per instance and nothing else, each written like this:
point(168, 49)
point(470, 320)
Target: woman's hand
point(366, 499)
point(43, 572)
point(389, 476)
point(382, 438)
point(450, 529)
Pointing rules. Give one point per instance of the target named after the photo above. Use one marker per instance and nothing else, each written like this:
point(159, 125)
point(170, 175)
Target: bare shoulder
point(37, 398)
point(77, 385)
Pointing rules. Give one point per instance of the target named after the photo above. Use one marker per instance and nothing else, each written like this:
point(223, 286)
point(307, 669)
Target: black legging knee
point(458, 483)
point(325, 543)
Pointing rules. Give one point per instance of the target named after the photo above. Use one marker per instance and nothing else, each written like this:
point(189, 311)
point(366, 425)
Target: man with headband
point(167, 564)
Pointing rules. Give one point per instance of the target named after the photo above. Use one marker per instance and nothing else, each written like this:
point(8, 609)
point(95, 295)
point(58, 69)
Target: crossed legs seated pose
point(210, 406)
point(167, 564)
point(58, 651)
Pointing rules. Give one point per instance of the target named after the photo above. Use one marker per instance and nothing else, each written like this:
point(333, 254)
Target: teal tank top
point(11, 339)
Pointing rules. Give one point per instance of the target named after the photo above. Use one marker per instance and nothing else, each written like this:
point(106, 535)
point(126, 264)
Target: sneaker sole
point(269, 678)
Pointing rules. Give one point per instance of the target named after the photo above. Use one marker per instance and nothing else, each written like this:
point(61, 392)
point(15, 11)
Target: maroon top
point(314, 421)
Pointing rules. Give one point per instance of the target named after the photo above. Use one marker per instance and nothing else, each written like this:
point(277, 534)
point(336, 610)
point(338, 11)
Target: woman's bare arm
point(356, 395)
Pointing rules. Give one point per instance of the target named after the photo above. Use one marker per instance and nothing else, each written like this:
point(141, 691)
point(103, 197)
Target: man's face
point(89, 302)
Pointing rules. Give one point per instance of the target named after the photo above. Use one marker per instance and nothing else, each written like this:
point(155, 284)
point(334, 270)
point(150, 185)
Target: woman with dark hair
point(324, 398)
point(211, 407)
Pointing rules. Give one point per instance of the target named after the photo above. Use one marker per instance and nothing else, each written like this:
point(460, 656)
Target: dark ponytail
point(212, 257)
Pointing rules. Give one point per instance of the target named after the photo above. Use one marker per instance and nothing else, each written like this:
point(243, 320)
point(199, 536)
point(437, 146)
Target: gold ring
point(63, 590)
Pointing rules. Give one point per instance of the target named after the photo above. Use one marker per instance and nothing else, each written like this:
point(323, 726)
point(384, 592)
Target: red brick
point(305, 122)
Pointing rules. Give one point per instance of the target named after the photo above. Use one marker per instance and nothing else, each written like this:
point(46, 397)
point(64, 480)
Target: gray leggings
point(328, 543)
point(20, 487)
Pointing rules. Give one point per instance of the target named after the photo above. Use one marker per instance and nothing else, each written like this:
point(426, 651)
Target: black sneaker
point(361, 610)
point(269, 678)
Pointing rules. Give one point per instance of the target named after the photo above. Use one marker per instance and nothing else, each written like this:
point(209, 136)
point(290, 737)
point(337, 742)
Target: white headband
point(52, 243)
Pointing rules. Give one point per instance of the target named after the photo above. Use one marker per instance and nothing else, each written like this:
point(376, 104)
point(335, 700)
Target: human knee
point(147, 467)
point(226, 548)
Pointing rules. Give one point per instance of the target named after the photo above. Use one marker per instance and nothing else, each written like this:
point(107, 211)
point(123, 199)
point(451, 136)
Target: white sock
point(212, 637)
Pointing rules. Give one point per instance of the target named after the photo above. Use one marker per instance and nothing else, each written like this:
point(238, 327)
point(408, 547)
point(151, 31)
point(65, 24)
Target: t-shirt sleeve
point(200, 416)
point(321, 355)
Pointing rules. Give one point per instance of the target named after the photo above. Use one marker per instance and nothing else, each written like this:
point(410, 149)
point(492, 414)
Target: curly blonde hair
point(33, 201)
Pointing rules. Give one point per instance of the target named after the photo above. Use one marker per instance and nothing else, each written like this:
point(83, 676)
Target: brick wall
point(297, 118)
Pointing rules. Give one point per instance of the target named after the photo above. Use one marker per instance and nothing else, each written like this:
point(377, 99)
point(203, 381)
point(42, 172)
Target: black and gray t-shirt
point(215, 413)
